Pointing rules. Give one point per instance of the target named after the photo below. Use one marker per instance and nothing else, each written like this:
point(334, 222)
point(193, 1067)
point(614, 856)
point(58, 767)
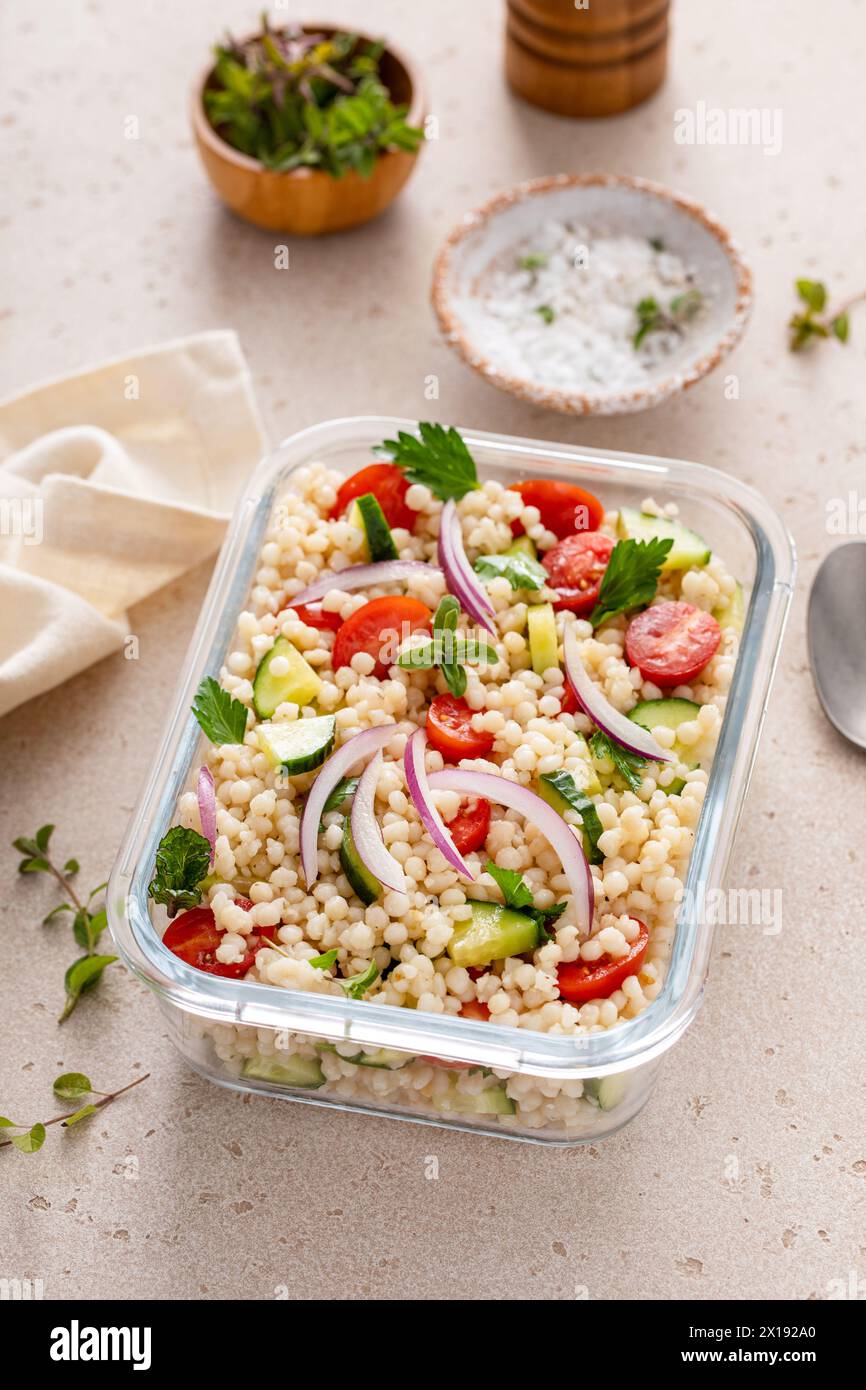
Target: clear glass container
point(258, 1037)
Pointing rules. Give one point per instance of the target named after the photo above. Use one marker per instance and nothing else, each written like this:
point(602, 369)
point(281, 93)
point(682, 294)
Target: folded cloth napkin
point(113, 482)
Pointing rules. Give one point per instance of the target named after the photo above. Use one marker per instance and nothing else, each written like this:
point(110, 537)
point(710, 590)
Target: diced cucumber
point(492, 1101)
point(688, 547)
point(543, 646)
point(367, 515)
point(382, 1058)
point(523, 546)
point(560, 790)
point(298, 684)
point(608, 1091)
point(298, 746)
point(367, 887)
point(669, 714)
point(732, 613)
point(291, 1070)
point(492, 933)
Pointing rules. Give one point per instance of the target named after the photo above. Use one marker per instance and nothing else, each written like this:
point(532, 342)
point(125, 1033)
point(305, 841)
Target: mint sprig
point(631, 577)
point(182, 861)
point(69, 1086)
point(439, 459)
point(222, 718)
point(446, 650)
point(809, 323)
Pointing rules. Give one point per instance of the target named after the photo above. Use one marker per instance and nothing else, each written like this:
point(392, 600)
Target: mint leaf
point(43, 835)
point(357, 986)
point(521, 570)
point(564, 784)
point(439, 459)
point(82, 975)
point(629, 765)
point(182, 861)
point(221, 716)
point(323, 962)
point(34, 866)
point(56, 912)
point(840, 326)
point(813, 293)
point(72, 1084)
point(631, 578)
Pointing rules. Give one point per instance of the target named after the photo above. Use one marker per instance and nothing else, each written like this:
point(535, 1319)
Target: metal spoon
point(837, 639)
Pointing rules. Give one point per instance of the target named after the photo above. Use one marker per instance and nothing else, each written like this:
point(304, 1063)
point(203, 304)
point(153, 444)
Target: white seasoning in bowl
point(560, 309)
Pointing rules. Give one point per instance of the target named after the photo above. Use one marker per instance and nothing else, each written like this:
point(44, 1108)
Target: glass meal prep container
point(258, 1037)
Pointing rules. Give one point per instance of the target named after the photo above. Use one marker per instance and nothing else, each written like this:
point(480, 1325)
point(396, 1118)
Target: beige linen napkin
point(113, 482)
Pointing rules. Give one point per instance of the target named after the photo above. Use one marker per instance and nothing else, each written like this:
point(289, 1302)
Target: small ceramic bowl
point(616, 205)
point(309, 202)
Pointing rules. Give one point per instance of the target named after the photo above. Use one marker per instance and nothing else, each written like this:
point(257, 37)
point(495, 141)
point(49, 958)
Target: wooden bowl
point(621, 205)
point(309, 202)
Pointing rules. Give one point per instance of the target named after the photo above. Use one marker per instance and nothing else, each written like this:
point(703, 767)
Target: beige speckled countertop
point(744, 1178)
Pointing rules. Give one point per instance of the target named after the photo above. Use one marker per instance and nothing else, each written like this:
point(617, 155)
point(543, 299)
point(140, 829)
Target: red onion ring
point(359, 576)
point(419, 794)
point(207, 807)
point(617, 726)
point(358, 747)
point(366, 834)
point(461, 579)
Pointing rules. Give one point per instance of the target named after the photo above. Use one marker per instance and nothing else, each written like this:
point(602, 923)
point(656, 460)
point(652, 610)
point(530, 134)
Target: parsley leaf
point(439, 459)
point(564, 784)
point(221, 716)
point(345, 787)
point(631, 577)
point(628, 765)
point(521, 570)
point(357, 986)
point(182, 861)
point(518, 898)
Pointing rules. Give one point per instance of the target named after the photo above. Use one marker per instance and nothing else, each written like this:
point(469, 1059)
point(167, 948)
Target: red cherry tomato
point(194, 937)
point(581, 981)
point(576, 567)
point(672, 642)
point(568, 704)
point(380, 628)
point(388, 485)
point(316, 616)
point(469, 827)
point(564, 507)
point(475, 1009)
point(450, 731)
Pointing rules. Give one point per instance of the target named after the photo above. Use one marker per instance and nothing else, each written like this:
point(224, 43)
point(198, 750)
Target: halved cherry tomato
point(450, 731)
point(568, 704)
point(672, 642)
point(576, 567)
point(564, 507)
point(194, 937)
point(316, 616)
point(469, 827)
point(475, 1009)
point(388, 485)
point(380, 628)
point(580, 981)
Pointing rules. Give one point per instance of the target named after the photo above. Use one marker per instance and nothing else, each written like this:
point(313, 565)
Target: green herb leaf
point(357, 986)
point(684, 306)
point(83, 975)
point(43, 835)
point(56, 912)
point(447, 615)
point(546, 312)
point(656, 243)
point(83, 1114)
point(345, 788)
point(34, 866)
point(628, 765)
point(71, 866)
point(72, 1084)
point(535, 260)
point(446, 650)
point(631, 578)
point(31, 1141)
point(439, 459)
point(9, 1124)
point(182, 861)
point(563, 783)
point(223, 718)
point(324, 962)
point(25, 846)
point(521, 570)
point(840, 326)
point(813, 293)
point(455, 678)
point(98, 923)
point(518, 897)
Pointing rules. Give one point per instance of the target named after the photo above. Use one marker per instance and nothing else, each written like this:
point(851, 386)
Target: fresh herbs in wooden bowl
point(283, 114)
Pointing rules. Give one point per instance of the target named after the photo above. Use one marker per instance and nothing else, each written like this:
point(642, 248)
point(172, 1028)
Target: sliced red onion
point(207, 807)
point(366, 834)
point(554, 829)
point(461, 579)
point(357, 748)
point(617, 726)
point(360, 576)
point(419, 794)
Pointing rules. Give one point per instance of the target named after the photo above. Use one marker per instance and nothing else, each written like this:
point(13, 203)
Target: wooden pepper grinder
point(586, 57)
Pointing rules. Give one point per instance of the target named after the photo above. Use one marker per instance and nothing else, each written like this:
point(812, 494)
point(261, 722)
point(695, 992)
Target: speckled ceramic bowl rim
point(205, 131)
point(575, 402)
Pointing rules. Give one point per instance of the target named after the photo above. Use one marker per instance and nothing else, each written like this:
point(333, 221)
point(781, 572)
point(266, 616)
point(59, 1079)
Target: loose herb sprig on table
point(87, 925)
point(439, 459)
point(518, 896)
point(296, 100)
point(652, 318)
point(72, 1085)
point(446, 650)
point(631, 578)
point(805, 325)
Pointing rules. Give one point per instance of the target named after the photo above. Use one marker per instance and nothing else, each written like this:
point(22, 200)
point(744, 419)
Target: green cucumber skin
point(670, 714)
point(492, 1101)
point(380, 542)
point(554, 798)
point(523, 546)
point(608, 1091)
point(492, 933)
point(316, 736)
point(269, 692)
point(368, 888)
point(688, 547)
point(304, 1073)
